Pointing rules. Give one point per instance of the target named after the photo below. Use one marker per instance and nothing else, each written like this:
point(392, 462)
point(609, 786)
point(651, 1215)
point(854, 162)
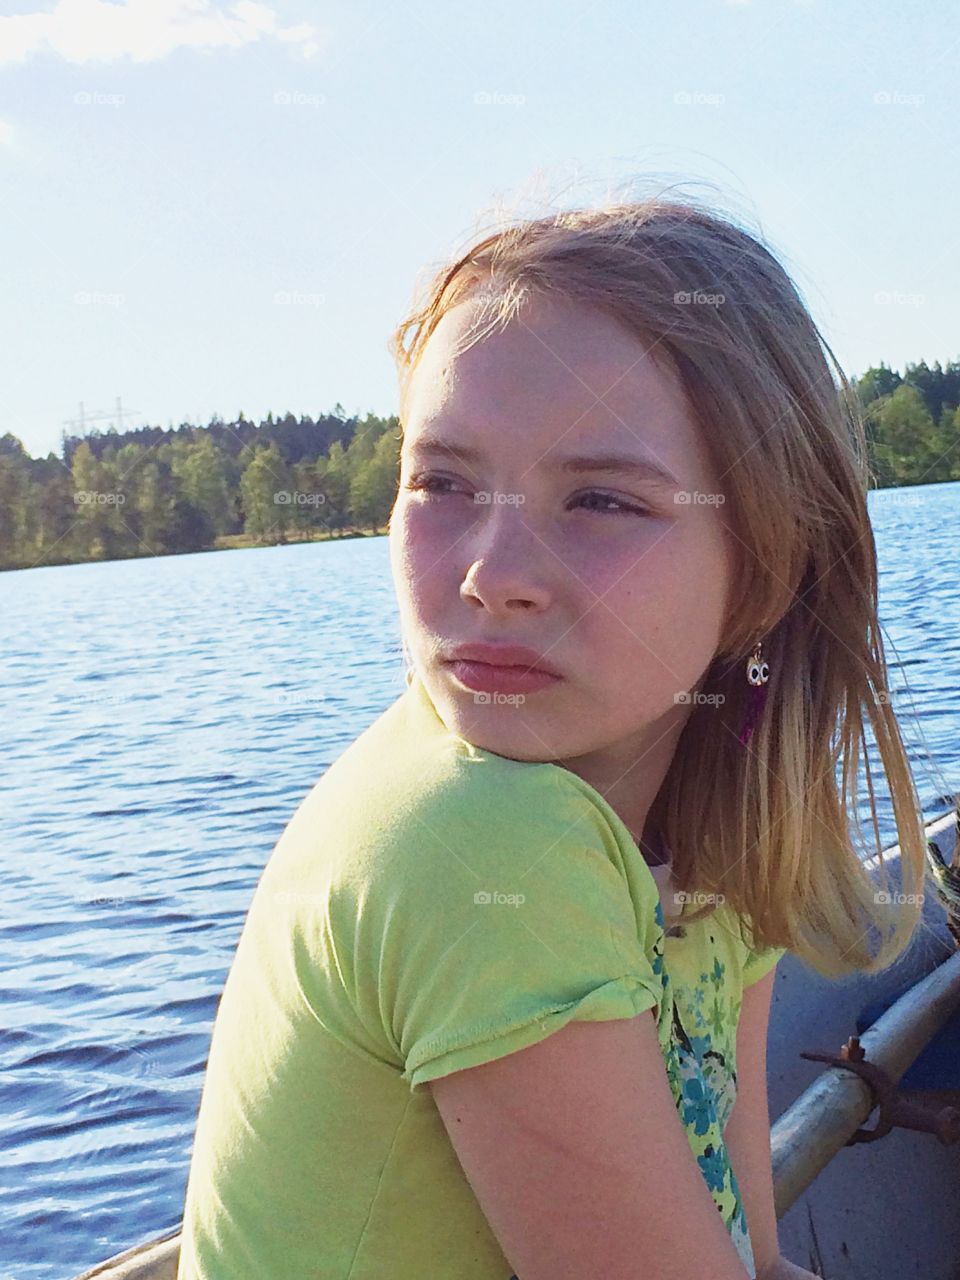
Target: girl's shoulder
point(408, 769)
point(411, 813)
point(407, 789)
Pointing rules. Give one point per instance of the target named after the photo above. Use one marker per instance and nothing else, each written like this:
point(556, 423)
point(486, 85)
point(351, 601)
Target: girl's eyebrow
point(605, 463)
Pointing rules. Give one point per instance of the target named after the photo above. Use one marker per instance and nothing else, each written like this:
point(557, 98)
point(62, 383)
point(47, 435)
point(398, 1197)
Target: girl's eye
point(623, 508)
point(425, 482)
point(607, 503)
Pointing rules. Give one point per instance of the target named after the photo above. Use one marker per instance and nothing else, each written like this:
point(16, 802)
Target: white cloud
point(303, 34)
point(6, 133)
point(259, 16)
point(83, 31)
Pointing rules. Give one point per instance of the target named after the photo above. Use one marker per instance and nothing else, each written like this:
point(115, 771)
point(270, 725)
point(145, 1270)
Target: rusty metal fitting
point(895, 1111)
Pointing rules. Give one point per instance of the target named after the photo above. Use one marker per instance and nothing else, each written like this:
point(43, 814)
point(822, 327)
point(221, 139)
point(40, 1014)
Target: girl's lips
point(501, 654)
point(484, 677)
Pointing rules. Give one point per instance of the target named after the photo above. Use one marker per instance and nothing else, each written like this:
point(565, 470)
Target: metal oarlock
point(895, 1110)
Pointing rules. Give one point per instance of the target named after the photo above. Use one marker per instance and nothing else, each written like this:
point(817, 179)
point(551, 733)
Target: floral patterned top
point(705, 967)
point(432, 906)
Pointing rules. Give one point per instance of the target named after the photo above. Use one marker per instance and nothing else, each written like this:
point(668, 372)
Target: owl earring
point(758, 673)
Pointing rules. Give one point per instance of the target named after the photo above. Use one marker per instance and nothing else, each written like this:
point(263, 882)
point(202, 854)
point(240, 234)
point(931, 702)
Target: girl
point(499, 1007)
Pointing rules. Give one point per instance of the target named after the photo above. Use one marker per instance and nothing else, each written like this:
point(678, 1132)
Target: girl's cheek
point(614, 562)
point(423, 537)
point(423, 515)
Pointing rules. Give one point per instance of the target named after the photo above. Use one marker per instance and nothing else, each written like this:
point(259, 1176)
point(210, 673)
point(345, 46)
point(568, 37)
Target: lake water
point(162, 720)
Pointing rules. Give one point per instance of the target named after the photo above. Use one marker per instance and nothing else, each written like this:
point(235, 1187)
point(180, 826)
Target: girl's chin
point(491, 729)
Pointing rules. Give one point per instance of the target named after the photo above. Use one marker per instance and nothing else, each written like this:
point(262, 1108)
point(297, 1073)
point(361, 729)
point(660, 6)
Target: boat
point(879, 1208)
point(850, 1201)
point(156, 1259)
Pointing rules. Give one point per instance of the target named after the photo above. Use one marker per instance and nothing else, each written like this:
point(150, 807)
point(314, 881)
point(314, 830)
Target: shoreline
point(224, 542)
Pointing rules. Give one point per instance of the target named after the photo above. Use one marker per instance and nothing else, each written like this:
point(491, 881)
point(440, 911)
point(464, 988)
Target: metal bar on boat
point(811, 1132)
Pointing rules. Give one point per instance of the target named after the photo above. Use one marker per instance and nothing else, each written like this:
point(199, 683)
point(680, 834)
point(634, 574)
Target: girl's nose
point(509, 569)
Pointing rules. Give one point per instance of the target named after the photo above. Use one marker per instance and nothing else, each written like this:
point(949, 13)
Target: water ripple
point(157, 764)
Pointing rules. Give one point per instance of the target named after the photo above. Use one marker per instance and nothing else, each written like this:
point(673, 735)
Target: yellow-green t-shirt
point(432, 906)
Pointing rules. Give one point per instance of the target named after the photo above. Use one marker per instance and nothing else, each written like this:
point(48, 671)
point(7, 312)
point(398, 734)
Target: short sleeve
point(504, 908)
point(759, 963)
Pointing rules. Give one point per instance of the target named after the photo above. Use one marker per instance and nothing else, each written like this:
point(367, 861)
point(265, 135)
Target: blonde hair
point(764, 828)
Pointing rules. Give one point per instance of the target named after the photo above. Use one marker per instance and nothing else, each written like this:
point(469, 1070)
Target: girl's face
point(617, 578)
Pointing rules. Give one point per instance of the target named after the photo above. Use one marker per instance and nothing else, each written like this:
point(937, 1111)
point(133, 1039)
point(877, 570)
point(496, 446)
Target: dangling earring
point(758, 674)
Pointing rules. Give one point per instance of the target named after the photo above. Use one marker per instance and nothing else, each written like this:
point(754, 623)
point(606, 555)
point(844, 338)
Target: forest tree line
point(154, 491)
point(114, 495)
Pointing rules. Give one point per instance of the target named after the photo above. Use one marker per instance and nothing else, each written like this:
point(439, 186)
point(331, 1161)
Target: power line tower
point(78, 424)
point(83, 417)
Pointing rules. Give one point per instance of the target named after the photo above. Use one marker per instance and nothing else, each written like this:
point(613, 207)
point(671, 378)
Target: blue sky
point(212, 207)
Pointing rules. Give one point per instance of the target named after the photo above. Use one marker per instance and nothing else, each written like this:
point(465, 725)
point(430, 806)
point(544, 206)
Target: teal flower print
point(712, 1166)
point(697, 1106)
point(701, 1046)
